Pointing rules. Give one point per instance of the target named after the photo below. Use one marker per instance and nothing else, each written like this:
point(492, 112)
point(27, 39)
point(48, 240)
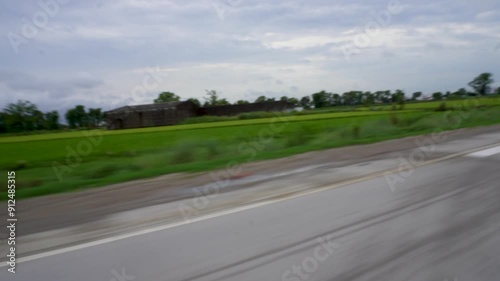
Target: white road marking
point(243, 208)
point(486, 152)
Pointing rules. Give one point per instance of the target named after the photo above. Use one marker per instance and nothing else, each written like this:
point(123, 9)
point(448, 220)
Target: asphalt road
point(440, 221)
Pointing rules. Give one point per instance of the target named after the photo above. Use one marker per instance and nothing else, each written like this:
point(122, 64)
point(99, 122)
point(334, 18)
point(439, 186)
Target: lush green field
point(61, 162)
point(76, 134)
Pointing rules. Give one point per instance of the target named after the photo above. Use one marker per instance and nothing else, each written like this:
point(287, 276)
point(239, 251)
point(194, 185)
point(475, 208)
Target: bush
point(394, 119)
point(212, 147)
point(300, 136)
point(184, 153)
point(355, 131)
point(442, 106)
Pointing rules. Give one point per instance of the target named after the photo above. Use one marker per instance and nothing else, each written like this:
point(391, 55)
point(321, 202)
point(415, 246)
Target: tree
point(52, 120)
point(261, 99)
point(195, 101)
point(352, 98)
point(336, 100)
point(481, 84)
point(400, 98)
point(460, 93)
point(305, 102)
point(294, 101)
point(21, 116)
point(321, 99)
point(167, 97)
point(386, 96)
point(76, 117)
point(212, 99)
point(368, 99)
point(437, 96)
point(242, 102)
point(39, 122)
point(223, 102)
point(3, 127)
point(284, 98)
point(95, 117)
point(415, 96)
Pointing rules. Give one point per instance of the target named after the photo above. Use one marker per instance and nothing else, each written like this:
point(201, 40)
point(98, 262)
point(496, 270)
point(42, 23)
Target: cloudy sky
point(107, 53)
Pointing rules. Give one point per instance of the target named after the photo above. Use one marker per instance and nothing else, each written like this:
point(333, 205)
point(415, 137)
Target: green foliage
point(95, 117)
point(242, 102)
point(481, 84)
point(415, 96)
point(167, 97)
point(305, 102)
point(437, 96)
point(156, 151)
point(299, 136)
point(356, 131)
point(52, 120)
point(442, 106)
point(261, 99)
point(321, 99)
point(77, 117)
point(212, 99)
point(22, 116)
point(184, 153)
point(195, 101)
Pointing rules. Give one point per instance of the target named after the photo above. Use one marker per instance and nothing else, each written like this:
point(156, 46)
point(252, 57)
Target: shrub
point(184, 153)
point(299, 136)
point(212, 147)
point(442, 106)
point(394, 119)
point(355, 131)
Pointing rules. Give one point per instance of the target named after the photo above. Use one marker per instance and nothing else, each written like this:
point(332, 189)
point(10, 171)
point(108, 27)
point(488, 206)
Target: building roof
point(146, 107)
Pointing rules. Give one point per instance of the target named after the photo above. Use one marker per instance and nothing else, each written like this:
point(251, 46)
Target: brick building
point(150, 115)
point(171, 113)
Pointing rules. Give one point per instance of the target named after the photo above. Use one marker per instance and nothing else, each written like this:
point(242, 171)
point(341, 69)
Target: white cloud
point(96, 52)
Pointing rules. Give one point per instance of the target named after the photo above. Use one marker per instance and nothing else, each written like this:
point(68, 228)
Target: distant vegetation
point(24, 116)
point(61, 162)
point(74, 159)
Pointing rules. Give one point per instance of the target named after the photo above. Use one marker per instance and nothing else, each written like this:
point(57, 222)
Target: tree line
point(24, 116)
point(481, 86)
